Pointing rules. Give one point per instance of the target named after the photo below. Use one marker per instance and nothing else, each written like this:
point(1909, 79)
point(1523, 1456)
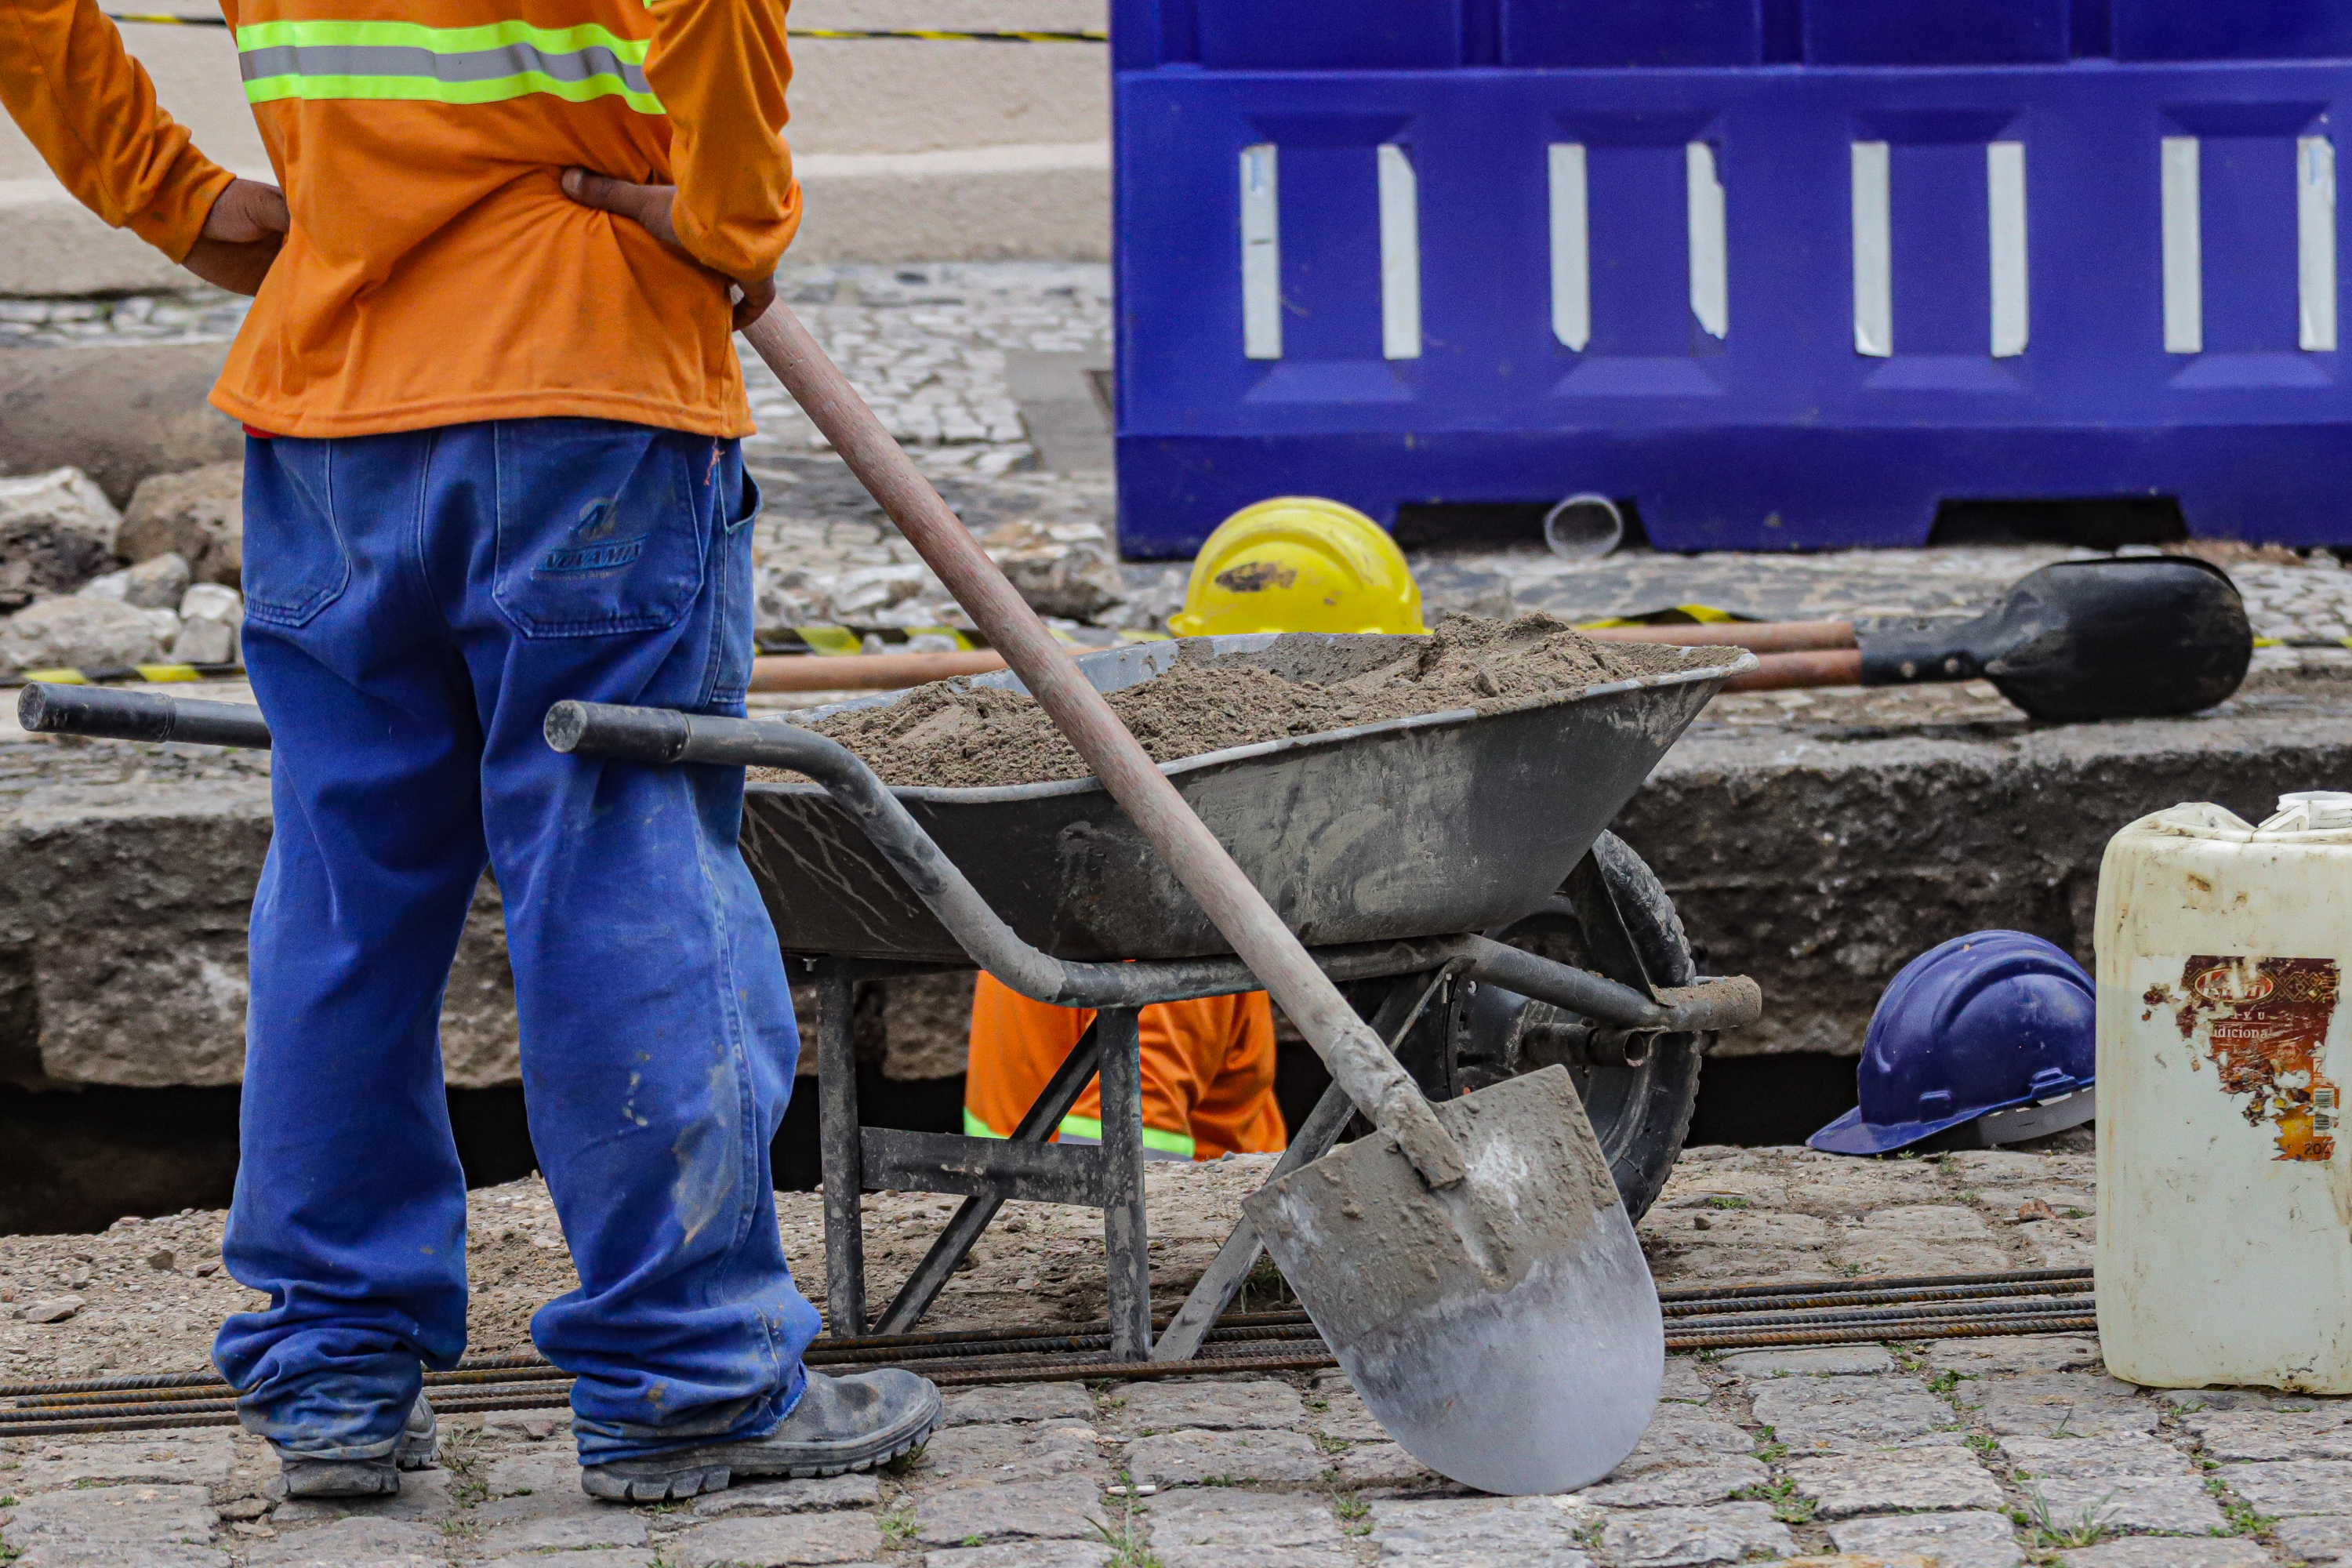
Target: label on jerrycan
point(2263, 1023)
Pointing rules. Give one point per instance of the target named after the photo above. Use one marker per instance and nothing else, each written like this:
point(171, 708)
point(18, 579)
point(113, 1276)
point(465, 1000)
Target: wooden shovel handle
point(1359, 1060)
point(1756, 636)
point(868, 671)
point(1784, 671)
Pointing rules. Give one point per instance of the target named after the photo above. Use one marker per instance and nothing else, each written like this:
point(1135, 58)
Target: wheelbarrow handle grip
point(1359, 1060)
point(103, 713)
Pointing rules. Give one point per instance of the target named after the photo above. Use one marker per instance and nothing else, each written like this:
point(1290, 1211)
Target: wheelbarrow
point(1451, 869)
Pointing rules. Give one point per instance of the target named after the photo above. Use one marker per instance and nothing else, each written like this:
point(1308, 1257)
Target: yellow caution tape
point(831, 640)
point(936, 35)
point(58, 676)
point(153, 674)
point(1672, 615)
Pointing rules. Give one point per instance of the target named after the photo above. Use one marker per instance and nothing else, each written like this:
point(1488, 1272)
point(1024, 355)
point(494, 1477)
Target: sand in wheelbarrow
point(955, 735)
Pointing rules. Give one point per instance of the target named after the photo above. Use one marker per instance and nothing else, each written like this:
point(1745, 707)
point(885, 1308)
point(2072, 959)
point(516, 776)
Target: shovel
point(2134, 638)
point(1471, 1266)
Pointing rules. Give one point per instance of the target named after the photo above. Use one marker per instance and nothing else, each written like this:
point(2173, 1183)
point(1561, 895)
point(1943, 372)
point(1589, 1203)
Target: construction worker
point(1296, 563)
point(494, 464)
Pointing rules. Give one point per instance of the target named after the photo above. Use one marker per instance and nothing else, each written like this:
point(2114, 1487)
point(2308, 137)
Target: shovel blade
point(1506, 1332)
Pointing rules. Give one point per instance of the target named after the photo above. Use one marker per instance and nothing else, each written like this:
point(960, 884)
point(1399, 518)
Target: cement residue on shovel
point(954, 734)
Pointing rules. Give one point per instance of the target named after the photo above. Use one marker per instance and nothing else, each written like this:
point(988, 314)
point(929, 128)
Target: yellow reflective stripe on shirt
point(407, 61)
point(1087, 1127)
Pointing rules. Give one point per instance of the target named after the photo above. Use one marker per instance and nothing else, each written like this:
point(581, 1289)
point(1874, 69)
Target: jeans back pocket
point(295, 563)
point(597, 527)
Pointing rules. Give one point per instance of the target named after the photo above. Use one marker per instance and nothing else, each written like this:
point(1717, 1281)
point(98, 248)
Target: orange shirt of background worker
point(1208, 1071)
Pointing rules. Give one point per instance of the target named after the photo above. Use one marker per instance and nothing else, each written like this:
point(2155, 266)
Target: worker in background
point(493, 463)
point(1296, 563)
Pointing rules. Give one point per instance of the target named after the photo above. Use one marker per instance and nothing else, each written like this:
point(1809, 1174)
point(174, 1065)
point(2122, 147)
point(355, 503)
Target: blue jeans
point(414, 604)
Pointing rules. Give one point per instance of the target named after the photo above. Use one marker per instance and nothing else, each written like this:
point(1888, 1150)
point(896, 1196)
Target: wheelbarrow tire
point(1641, 1113)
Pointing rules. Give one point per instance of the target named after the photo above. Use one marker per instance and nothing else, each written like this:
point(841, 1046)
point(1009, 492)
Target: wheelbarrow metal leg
point(1243, 1248)
point(973, 1217)
point(1126, 1243)
point(1400, 1010)
point(836, 1100)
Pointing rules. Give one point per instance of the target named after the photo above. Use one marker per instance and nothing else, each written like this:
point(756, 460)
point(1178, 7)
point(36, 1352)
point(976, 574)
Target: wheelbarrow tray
point(1426, 826)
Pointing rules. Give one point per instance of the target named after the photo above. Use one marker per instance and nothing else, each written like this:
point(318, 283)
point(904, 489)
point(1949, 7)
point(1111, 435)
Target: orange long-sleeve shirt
point(436, 274)
point(1208, 1070)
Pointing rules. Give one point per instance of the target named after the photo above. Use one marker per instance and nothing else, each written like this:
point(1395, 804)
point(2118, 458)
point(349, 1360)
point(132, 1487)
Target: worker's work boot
point(851, 1422)
point(418, 1445)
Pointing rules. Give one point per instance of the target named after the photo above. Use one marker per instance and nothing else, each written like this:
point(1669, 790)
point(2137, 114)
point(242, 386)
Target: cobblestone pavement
point(1969, 1454)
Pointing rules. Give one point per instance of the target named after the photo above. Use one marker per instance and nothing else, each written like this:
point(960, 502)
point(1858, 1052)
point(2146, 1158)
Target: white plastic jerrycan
point(2225, 1177)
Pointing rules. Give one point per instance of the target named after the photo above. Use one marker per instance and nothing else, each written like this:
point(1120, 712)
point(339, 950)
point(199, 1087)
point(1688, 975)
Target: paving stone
point(195, 1458)
point(2268, 1435)
point(108, 1516)
point(1018, 1403)
point(2119, 1454)
point(1026, 1554)
point(1485, 1533)
point(1816, 1361)
point(1346, 1417)
point(610, 1558)
point(977, 1512)
point(1926, 1480)
point(1685, 1382)
point(424, 1496)
point(530, 1507)
point(1741, 1245)
point(808, 1538)
point(1827, 1413)
point(607, 1526)
point(1261, 1405)
point(56, 1554)
point(2177, 1505)
point(814, 1496)
point(2325, 1538)
point(1029, 1453)
point(2192, 1400)
point(1949, 1539)
point(2169, 1552)
point(1218, 1527)
point(2072, 1402)
point(1680, 1486)
point(1191, 1458)
point(1672, 1537)
point(1384, 1466)
point(1682, 1437)
point(2292, 1486)
point(1922, 1238)
point(357, 1543)
point(533, 1471)
point(2015, 1354)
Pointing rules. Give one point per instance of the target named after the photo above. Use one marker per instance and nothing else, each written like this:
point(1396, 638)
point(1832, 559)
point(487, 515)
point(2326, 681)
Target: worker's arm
point(719, 67)
point(90, 109)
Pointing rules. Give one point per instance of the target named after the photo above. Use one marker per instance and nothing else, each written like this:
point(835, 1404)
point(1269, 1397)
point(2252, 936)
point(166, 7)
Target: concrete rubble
point(1987, 1453)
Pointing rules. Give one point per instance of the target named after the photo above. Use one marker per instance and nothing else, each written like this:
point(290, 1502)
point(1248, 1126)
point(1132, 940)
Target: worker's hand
point(241, 237)
point(650, 206)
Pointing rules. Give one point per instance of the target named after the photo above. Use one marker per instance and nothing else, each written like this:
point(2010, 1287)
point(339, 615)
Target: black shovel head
point(2135, 638)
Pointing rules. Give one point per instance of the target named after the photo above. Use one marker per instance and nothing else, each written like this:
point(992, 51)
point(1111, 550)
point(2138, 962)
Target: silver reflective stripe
point(1710, 283)
point(1874, 254)
point(475, 65)
point(1571, 247)
point(2184, 262)
point(1399, 255)
point(1261, 254)
point(2314, 212)
point(2005, 215)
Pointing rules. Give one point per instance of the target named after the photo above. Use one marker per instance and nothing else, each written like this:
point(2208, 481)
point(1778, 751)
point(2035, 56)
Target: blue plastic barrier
point(1782, 276)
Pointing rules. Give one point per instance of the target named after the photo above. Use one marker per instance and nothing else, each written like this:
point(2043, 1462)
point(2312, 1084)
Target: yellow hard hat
point(1299, 563)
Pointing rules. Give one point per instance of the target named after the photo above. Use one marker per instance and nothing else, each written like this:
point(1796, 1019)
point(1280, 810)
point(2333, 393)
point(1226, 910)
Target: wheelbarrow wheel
point(1641, 1112)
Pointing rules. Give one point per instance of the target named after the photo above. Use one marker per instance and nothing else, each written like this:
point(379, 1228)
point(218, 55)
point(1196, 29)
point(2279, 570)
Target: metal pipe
point(114, 713)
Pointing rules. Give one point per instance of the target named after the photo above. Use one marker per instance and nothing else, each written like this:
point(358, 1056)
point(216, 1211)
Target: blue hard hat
point(1983, 1023)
